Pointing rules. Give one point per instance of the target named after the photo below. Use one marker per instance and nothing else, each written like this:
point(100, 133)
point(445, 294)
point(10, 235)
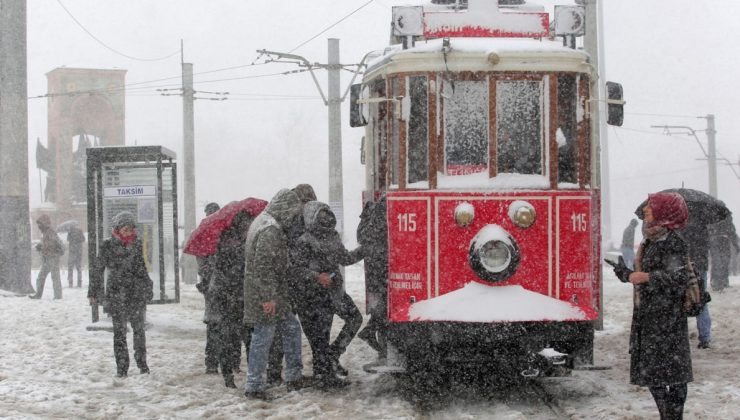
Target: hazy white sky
point(675, 58)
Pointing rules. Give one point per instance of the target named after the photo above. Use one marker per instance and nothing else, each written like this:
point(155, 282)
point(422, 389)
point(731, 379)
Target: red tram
point(478, 136)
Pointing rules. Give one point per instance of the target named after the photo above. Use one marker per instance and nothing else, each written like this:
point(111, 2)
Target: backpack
point(695, 298)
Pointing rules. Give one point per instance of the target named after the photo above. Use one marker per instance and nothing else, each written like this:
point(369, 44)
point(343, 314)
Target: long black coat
point(226, 290)
point(372, 235)
point(129, 287)
point(318, 250)
point(659, 340)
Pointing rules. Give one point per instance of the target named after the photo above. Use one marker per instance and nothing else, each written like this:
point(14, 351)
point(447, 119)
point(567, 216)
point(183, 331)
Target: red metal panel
point(575, 271)
point(429, 251)
point(409, 259)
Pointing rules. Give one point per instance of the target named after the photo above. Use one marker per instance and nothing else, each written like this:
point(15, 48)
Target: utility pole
point(333, 102)
point(711, 145)
point(336, 194)
point(591, 45)
point(15, 229)
point(188, 145)
point(710, 154)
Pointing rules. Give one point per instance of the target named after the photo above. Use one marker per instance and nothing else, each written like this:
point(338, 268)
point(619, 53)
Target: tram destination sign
point(130, 191)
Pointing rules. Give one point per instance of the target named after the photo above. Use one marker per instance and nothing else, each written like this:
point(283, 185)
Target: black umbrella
point(68, 225)
point(703, 208)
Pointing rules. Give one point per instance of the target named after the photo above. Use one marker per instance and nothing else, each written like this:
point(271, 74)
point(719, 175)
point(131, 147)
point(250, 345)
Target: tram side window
point(466, 126)
point(417, 149)
point(395, 133)
point(519, 126)
point(567, 129)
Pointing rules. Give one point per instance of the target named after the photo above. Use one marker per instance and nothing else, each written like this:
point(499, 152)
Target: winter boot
point(229, 381)
point(338, 368)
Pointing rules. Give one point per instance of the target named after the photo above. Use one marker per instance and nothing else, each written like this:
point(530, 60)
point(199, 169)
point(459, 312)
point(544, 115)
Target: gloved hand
point(621, 270)
point(201, 287)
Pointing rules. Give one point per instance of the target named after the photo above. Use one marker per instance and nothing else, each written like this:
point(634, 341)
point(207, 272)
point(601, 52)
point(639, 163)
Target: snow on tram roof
point(523, 54)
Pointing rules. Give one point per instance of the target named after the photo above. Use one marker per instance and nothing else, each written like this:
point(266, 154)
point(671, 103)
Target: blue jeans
point(704, 320)
point(259, 351)
point(628, 253)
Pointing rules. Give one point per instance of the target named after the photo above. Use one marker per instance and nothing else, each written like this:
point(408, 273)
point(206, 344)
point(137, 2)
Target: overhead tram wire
point(106, 45)
point(331, 26)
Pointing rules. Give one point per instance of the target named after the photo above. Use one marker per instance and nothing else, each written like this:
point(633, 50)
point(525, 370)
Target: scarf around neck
point(126, 240)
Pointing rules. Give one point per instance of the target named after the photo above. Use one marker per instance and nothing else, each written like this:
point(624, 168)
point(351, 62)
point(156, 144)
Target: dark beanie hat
point(305, 193)
point(211, 208)
point(122, 219)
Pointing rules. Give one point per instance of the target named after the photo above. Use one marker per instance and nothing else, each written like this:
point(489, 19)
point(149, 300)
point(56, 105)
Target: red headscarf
point(669, 210)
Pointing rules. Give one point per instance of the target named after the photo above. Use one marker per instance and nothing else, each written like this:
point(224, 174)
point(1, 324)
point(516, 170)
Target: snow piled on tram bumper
point(480, 303)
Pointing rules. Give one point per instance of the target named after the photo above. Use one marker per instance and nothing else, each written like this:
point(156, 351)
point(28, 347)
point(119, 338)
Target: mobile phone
point(610, 262)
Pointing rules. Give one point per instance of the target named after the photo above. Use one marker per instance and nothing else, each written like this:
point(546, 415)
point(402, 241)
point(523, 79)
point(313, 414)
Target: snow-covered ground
point(52, 367)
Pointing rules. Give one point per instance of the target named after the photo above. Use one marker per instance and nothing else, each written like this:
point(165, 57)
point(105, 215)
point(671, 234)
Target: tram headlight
point(464, 214)
point(493, 254)
point(522, 214)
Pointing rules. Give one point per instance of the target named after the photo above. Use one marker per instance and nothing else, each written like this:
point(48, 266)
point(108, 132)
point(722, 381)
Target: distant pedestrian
point(75, 239)
point(50, 248)
point(660, 355)
point(723, 243)
point(267, 296)
point(318, 284)
point(206, 266)
point(127, 290)
point(628, 244)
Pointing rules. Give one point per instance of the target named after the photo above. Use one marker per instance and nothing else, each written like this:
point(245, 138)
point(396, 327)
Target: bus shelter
point(141, 180)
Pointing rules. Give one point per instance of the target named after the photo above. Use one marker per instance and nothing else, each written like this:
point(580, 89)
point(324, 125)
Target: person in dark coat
point(206, 266)
point(226, 293)
point(267, 304)
point(318, 287)
point(51, 248)
point(305, 193)
point(372, 234)
point(75, 239)
point(660, 355)
point(127, 291)
point(723, 244)
point(628, 244)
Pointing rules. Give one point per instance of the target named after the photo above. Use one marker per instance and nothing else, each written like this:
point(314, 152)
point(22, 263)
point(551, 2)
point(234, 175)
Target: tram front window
point(417, 132)
point(466, 126)
point(519, 126)
point(567, 129)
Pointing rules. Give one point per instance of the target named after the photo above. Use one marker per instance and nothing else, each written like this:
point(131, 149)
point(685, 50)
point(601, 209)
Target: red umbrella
point(204, 239)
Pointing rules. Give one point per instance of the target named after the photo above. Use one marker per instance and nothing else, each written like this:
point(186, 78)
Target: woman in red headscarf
point(659, 339)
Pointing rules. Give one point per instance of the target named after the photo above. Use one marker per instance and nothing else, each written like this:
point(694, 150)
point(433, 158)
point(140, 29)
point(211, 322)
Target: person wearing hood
point(206, 266)
point(318, 286)
point(660, 355)
point(266, 295)
point(51, 248)
point(127, 291)
point(305, 193)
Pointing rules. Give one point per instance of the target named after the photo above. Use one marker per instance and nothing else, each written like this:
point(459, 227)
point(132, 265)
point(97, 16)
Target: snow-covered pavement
point(51, 366)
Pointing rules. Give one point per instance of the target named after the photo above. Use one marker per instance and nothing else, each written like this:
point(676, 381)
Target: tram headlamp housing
point(493, 255)
point(522, 214)
point(464, 214)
